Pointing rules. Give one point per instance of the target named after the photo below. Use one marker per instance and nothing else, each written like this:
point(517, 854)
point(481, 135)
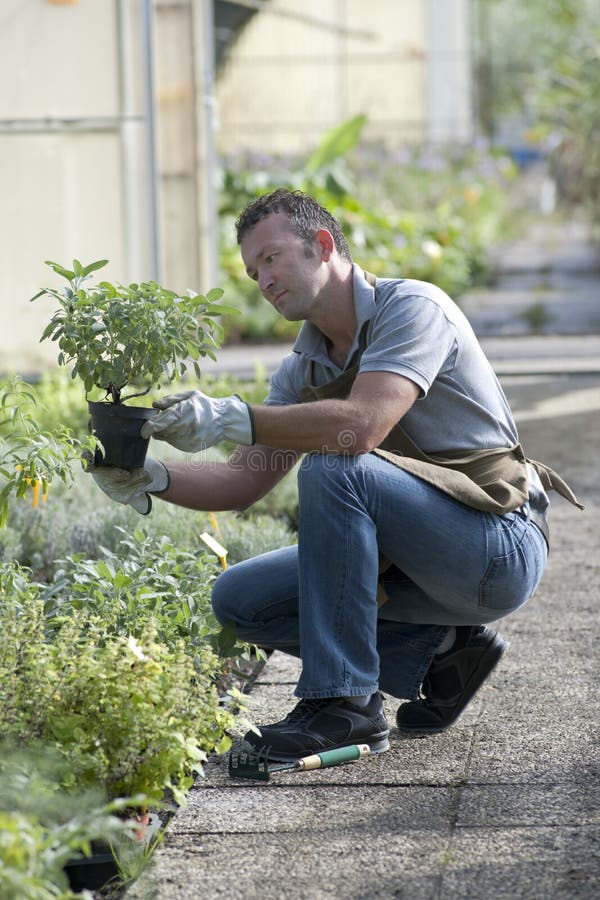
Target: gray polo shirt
point(414, 329)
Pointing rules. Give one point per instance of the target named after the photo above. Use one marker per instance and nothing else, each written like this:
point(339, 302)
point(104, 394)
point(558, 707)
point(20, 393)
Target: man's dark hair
point(305, 215)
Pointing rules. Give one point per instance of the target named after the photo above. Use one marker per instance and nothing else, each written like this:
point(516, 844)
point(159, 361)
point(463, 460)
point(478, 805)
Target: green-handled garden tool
point(247, 762)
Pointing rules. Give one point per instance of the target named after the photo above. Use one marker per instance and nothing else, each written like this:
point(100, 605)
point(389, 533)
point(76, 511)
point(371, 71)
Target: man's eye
point(269, 259)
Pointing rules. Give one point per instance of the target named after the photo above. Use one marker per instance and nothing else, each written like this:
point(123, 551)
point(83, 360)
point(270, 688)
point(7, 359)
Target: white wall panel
point(58, 61)
point(60, 198)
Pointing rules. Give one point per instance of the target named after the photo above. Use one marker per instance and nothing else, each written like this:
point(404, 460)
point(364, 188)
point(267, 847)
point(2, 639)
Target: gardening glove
point(192, 421)
point(132, 486)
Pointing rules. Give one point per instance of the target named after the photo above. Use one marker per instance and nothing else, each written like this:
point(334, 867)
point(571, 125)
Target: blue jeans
point(452, 565)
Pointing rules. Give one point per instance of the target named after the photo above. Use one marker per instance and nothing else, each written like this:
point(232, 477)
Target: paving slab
point(536, 863)
point(272, 867)
point(305, 807)
point(548, 285)
point(519, 806)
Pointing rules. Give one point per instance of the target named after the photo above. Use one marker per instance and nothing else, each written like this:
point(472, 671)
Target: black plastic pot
point(118, 427)
point(92, 872)
point(97, 870)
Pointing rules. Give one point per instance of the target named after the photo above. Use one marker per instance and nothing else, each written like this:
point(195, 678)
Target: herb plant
point(133, 716)
point(42, 828)
point(114, 335)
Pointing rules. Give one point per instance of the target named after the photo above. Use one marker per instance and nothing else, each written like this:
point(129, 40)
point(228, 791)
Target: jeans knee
point(223, 597)
point(318, 468)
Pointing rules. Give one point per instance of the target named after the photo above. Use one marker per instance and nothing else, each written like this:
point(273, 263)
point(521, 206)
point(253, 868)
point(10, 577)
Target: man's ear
point(326, 243)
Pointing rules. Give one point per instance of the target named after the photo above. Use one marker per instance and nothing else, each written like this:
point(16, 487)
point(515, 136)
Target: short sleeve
point(284, 384)
point(411, 336)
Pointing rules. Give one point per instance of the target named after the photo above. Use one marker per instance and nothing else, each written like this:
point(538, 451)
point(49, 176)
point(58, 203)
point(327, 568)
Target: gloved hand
point(192, 421)
point(132, 486)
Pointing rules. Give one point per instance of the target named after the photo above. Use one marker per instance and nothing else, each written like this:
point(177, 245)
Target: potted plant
point(117, 337)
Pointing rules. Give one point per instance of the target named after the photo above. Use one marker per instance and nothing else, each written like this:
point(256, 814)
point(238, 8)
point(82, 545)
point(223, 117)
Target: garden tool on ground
point(247, 762)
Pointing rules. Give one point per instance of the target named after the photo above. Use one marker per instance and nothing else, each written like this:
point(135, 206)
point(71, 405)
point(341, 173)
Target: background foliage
point(425, 213)
point(538, 79)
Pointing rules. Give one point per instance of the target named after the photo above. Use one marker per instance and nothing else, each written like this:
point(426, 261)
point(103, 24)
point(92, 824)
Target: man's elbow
point(359, 439)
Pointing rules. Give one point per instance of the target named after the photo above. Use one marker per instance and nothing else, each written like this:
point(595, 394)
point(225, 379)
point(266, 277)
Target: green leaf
point(60, 270)
point(47, 331)
point(92, 267)
point(336, 143)
point(224, 642)
point(3, 510)
point(221, 309)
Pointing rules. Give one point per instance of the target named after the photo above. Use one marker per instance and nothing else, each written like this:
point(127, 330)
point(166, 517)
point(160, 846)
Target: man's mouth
point(278, 297)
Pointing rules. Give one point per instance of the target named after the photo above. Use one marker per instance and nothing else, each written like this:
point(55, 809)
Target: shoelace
point(304, 710)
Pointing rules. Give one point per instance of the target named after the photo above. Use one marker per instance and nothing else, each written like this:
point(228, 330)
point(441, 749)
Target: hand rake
point(247, 762)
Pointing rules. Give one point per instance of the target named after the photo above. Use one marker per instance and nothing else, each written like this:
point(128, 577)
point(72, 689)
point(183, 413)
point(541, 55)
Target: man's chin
point(289, 316)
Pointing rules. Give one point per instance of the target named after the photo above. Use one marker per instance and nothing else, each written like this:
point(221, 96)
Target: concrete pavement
point(504, 805)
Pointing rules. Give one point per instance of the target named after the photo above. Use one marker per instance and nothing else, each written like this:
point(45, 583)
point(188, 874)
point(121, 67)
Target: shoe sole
point(486, 665)
point(376, 745)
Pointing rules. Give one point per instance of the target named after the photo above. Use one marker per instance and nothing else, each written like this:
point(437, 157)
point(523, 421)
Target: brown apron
point(490, 480)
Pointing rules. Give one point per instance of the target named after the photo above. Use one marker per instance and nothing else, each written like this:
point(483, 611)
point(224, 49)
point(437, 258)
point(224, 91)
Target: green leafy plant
point(133, 716)
point(42, 828)
point(114, 335)
point(30, 459)
point(150, 578)
point(134, 857)
point(33, 855)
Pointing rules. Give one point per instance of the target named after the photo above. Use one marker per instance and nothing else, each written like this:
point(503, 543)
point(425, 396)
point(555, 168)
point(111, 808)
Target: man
point(412, 536)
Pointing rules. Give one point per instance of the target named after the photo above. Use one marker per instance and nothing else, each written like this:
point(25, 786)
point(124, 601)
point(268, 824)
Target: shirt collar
point(311, 341)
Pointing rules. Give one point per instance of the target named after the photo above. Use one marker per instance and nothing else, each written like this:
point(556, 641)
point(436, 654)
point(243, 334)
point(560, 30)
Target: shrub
point(151, 580)
point(429, 213)
point(42, 828)
point(248, 537)
point(82, 521)
point(133, 716)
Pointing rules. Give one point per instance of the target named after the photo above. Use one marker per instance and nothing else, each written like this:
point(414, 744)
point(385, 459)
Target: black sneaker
point(316, 725)
point(452, 681)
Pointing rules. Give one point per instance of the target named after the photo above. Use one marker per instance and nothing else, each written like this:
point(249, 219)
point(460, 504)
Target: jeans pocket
point(510, 580)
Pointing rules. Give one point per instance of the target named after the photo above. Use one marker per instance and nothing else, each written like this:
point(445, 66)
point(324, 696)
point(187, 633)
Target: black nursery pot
point(92, 872)
point(118, 427)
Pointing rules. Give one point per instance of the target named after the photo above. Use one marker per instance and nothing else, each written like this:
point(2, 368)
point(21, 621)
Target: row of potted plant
point(114, 666)
point(109, 633)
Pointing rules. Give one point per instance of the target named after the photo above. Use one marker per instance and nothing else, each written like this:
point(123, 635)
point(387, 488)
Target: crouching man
point(421, 520)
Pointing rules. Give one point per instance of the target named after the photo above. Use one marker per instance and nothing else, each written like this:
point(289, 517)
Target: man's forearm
point(357, 424)
point(327, 426)
point(248, 475)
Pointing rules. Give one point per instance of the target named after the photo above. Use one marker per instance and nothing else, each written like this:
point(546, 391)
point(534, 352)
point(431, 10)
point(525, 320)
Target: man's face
point(289, 273)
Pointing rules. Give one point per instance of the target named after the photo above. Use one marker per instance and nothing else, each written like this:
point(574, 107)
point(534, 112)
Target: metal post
point(152, 156)
point(206, 155)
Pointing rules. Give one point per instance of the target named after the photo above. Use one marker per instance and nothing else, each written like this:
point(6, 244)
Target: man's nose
point(265, 282)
